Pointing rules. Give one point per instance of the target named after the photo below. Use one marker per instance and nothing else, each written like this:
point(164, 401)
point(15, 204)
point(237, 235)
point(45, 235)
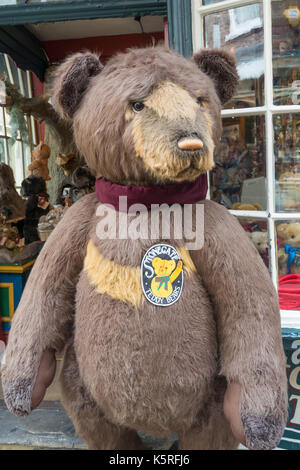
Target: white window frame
point(289, 318)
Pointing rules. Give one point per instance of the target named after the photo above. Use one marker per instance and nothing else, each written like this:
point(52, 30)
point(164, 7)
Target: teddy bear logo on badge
point(162, 276)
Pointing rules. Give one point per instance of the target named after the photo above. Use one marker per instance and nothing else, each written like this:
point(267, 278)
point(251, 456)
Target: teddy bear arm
point(44, 318)
point(248, 324)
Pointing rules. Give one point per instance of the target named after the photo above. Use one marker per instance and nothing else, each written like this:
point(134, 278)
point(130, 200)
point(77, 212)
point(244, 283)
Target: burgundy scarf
point(187, 192)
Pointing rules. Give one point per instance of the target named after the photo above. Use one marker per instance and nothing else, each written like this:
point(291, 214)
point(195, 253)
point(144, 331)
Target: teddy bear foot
point(262, 432)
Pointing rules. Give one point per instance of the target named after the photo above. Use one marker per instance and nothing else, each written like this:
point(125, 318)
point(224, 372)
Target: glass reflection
point(286, 51)
point(287, 161)
point(240, 31)
point(239, 176)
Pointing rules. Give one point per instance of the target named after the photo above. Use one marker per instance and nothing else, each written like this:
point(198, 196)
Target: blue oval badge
point(162, 275)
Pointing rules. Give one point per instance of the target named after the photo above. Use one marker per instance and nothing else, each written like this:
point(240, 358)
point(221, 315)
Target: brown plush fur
point(135, 366)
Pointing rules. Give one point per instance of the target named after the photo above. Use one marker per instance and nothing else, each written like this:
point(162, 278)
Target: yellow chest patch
point(118, 281)
point(124, 282)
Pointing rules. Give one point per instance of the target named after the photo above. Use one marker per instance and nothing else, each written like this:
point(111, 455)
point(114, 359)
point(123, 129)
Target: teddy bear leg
point(211, 430)
point(89, 421)
point(214, 434)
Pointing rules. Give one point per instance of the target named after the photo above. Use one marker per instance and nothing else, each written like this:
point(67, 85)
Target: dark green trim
point(180, 26)
point(291, 332)
point(79, 10)
point(24, 48)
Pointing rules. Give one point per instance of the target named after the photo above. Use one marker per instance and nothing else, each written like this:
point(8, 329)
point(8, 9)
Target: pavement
point(47, 427)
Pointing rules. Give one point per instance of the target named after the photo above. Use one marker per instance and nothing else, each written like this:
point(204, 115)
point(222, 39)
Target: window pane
point(288, 259)
point(286, 51)
point(25, 83)
point(257, 231)
point(16, 160)
point(7, 122)
point(2, 129)
point(2, 151)
point(3, 68)
point(14, 71)
point(240, 31)
point(239, 175)
point(287, 166)
point(27, 157)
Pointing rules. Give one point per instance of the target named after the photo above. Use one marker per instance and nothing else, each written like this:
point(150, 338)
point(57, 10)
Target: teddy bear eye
point(200, 101)
point(293, 236)
point(137, 106)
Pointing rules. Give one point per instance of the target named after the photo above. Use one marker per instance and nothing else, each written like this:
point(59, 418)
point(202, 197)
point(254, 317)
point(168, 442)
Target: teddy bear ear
point(70, 81)
point(221, 67)
point(282, 227)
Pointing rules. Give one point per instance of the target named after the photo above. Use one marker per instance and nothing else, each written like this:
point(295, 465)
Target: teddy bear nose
point(190, 143)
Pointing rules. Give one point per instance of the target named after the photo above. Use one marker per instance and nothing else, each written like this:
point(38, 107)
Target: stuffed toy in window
point(169, 337)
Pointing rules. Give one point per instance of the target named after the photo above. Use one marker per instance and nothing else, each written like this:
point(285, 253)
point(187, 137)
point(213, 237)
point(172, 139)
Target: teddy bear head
point(163, 267)
point(289, 233)
point(33, 185)
point(148, 116)
point(41, 151)
point(260, 240)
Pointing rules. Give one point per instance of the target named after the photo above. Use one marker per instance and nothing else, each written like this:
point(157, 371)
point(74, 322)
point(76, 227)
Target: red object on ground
point(289, 292)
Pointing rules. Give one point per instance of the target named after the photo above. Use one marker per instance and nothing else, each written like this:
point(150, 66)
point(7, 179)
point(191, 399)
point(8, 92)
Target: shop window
point(232, 30)
point(257, 171)
point(15, 148)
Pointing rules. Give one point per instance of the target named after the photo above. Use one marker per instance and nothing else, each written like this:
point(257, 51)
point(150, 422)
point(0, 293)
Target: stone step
point(47, 427)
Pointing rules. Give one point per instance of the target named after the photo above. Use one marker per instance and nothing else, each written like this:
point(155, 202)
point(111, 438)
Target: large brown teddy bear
point(147, 123)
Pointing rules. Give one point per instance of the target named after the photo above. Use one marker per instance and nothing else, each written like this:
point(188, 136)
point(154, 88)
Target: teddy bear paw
point(262, 432)
point(17, 396)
